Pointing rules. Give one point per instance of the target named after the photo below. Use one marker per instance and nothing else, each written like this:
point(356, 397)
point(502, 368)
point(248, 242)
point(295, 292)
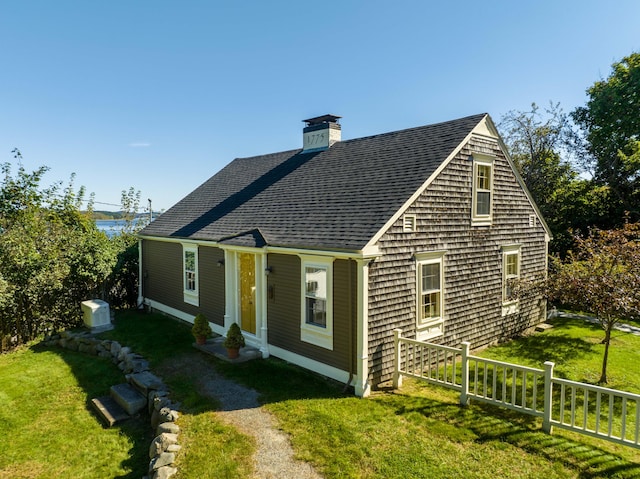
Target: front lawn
point(419, 431)
point(48, 427)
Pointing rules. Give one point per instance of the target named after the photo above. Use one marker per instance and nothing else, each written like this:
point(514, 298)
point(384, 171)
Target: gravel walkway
point(274, 457)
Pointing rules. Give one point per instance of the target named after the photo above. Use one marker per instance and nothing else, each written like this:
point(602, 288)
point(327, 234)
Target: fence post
point(548, 391)
point(464, 380)
point(397, 377)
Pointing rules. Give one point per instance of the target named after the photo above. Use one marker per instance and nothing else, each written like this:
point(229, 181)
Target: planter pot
point(200, 340)
point(233, 353)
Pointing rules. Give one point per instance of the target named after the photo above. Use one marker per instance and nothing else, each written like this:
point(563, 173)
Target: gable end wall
point(472, 263)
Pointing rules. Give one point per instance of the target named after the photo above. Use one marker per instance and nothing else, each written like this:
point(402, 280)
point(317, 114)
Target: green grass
point(575, 347)
point(48, 427)
point(419, 431)
point(210, 448)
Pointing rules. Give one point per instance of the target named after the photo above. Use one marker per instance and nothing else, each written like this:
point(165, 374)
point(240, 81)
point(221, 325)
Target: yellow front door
point(247, 264)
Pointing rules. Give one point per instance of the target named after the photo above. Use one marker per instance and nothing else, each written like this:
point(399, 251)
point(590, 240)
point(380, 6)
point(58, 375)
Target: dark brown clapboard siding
point(162, 273)
point(162, 278)
point(284, 302)
point(472, 264)
point(211, 283)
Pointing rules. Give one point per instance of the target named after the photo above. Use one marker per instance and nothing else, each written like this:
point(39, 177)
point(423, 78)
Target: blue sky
point(160, 95)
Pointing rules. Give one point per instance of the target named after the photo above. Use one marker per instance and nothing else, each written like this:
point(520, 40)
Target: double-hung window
point(190, 274)
point(430, 297)
point(510, 274)
point(482, 204)
point(317, 301)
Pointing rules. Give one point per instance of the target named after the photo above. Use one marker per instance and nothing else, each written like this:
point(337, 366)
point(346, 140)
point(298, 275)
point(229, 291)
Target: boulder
point(163, 459)
point(161, 443)
point(168, 415)
point(115, 349)
point(170, 427)
point(164, 472)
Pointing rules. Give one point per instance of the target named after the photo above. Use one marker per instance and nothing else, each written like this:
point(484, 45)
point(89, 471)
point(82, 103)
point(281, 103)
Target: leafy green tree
point(123, 281)
point(601, 276)
point(52, 256)
point(538, 142)
point(611, 126)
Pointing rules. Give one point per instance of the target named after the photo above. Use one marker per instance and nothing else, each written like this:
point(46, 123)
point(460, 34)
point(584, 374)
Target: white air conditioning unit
point(96, 315)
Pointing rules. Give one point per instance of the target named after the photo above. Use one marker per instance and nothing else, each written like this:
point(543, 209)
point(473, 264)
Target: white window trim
point(476, 219)
point(409, 223)
point(311, 333)
point(189, 296)
point(510, 306)
point(434, 327)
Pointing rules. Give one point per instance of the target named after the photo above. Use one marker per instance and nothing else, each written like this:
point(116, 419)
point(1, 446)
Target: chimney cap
point(318, 120)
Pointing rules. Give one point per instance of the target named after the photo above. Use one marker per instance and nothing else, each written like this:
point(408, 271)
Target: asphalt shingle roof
point(333, 199)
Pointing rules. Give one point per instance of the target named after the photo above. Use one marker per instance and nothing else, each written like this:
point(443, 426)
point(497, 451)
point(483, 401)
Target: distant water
point(111, 227)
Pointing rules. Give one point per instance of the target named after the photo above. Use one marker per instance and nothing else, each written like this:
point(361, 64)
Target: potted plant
point(234, 341)
point(201, 329)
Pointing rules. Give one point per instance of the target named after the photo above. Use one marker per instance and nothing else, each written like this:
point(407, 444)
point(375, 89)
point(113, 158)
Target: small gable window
point(409, 223)
point(316, 326)
point(482, 190)
point(190, 274)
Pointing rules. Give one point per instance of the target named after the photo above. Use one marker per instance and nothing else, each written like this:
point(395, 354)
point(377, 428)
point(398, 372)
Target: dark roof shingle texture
point(333, 199)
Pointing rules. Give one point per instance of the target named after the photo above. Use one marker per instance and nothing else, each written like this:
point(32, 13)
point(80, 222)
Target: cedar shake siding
point(284, 315)
point(472, 263)
point(364, 201)
point(162, 278)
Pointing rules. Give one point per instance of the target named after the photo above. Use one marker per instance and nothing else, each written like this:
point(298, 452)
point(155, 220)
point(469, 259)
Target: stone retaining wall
point(162, 411)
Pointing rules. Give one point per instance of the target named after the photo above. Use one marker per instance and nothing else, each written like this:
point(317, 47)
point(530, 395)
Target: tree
point(52, 256)
point(602, 276)
point(122, 284)
point(611, 126)
point(537, 142)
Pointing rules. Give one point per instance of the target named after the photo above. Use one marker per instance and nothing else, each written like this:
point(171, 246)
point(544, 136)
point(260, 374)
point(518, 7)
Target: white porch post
point(230, 287)
point(262, 288)
point(362, 386)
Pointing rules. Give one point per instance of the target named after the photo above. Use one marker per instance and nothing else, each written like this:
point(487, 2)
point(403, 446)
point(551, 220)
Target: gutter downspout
point(140, 276)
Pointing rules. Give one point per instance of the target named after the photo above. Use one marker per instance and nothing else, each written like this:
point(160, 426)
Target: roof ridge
point(430, 125)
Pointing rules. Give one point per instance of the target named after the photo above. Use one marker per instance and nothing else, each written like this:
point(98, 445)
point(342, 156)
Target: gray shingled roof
point(333, 199)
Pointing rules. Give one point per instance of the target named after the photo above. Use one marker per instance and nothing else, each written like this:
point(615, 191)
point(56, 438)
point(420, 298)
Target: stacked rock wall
point(162, 410)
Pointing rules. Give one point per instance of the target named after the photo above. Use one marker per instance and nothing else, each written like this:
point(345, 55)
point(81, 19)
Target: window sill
point(317, 336)
point(430, 330)
point(191, 298)
point(481, 222)
point(510, 307)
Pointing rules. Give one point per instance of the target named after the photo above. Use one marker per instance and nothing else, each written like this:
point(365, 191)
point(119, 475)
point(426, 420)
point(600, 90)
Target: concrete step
point(128, 398)
point(145, 382)
point(108, 410)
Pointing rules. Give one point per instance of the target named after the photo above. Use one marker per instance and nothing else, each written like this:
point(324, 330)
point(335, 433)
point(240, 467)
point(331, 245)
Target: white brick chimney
point(321, 132)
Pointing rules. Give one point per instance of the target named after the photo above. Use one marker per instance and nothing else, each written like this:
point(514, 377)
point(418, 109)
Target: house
point(320, 253)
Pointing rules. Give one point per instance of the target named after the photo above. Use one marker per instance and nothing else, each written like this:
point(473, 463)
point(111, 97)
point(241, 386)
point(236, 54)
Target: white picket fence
point(584, 408)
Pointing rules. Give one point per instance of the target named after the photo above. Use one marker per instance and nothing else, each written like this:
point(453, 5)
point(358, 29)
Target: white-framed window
point(430, 295)
point(409, 223)
point(482, 203)
point(316, 324)
point(190, 274)
point(510, 274)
